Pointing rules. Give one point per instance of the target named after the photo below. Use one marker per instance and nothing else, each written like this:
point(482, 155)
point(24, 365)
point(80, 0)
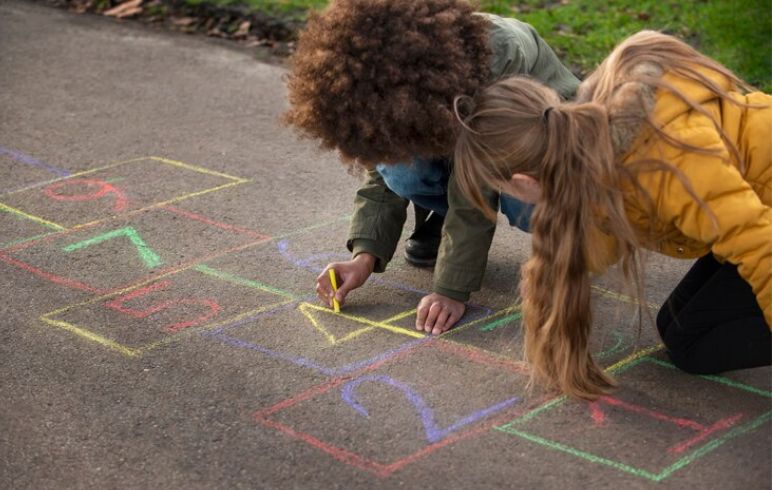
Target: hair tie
point(546, 113)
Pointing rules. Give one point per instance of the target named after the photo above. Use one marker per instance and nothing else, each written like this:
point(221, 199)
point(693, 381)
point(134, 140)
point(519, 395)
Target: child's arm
point(466, 239)
point(377, 222)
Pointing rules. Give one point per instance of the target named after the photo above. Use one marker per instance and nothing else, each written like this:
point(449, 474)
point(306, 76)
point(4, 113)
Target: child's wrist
point(367, 259)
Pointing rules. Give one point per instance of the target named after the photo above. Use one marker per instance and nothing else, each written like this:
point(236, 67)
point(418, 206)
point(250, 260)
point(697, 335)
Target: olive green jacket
point(380, 214)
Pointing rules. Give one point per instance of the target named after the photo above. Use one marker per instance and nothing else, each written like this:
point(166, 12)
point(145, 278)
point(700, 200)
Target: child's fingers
point(323, 287)
point(434, 311)
point(343, 290)
point(421, 313)
point(324, 277)
point(452, 320)
point(441, 324)
point(324, 293)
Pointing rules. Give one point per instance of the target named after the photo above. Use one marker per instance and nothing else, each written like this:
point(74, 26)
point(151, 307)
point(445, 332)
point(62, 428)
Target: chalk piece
point(335, 304)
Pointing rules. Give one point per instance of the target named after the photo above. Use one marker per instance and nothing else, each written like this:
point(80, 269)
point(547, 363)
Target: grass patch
point(737, 33)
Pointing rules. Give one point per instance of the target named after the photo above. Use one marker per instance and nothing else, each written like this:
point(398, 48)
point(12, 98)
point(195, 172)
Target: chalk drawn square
point(648, 428)
point(313, 336)
point(164, 310)
point(130, 249)
point(615, 332)
point(293, 266)
point(116, 189)
point(392, 414)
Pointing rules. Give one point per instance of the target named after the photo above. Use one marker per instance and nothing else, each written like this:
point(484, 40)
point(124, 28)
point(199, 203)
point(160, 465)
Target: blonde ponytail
point(578, 180)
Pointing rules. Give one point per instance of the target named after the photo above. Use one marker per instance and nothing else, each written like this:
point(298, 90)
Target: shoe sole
point(420, 262)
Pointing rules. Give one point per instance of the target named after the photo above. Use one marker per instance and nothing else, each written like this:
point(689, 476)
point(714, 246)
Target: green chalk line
point(225, 276)
point(150, 258)
point(501, 321)
point(681, 463)
point(718, 379)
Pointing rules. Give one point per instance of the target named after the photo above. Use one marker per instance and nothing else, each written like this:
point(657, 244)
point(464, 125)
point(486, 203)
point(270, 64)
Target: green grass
point(738, 33)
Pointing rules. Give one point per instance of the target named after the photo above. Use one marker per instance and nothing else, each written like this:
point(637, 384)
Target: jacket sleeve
point(377, 222)
point(741, 232)
point(466, 239)
point(519, 50)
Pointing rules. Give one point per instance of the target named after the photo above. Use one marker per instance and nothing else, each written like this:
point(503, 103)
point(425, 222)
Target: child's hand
point(349, 275)
point(437, 313)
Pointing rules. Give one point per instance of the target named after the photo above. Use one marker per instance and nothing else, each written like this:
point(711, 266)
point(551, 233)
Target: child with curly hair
point(375, 80)
point(664, 150)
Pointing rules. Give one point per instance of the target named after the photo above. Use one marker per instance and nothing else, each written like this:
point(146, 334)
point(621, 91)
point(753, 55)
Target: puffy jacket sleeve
point(739, 229)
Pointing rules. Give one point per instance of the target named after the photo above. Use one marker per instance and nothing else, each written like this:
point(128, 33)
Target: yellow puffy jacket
point(740, 199)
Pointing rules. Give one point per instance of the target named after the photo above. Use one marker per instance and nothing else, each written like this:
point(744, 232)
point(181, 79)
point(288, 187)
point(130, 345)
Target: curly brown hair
point(376, 79)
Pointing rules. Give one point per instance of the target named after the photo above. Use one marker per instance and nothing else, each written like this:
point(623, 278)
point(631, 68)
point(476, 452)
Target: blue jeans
point(425, 182)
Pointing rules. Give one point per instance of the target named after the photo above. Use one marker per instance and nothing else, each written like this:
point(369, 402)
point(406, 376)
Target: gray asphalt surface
point(159, 238)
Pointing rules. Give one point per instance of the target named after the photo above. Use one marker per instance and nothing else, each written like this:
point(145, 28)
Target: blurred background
point(738, 33)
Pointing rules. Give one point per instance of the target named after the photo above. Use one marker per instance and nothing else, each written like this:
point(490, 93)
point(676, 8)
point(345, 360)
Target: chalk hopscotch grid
point(479, 422)
point(177, 164)
point(197, 264)
point(632, 361)
point(223, 334)
point(220, 326)
point(134, 351)
point(6, 254)
point(489, 322)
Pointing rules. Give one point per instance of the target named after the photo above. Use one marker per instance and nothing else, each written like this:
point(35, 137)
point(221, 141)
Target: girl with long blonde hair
point(663, 149)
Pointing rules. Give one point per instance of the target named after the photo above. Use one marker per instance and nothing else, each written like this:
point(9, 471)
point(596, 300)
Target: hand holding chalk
point(335, 304)
point(340, 278)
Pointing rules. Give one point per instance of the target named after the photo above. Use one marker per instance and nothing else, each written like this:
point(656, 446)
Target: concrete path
point(159, 238)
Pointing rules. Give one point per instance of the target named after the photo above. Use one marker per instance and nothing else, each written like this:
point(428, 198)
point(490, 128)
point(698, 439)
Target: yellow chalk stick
point(335, 304)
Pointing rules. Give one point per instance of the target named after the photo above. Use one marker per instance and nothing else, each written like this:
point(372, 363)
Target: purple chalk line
point(298, 360)
point(307, 363)
point(33, 162)
point(433, 432)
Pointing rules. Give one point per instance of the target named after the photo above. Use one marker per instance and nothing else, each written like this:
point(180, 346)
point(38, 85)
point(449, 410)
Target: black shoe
point(421, 248)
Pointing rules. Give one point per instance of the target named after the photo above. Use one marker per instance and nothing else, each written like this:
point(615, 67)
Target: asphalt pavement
point(160, 233)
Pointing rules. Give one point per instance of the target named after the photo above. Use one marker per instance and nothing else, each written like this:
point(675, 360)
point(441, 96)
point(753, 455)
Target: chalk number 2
point(432, 430)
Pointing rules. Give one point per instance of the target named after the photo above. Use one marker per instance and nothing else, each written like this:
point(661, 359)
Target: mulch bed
point(237, 23)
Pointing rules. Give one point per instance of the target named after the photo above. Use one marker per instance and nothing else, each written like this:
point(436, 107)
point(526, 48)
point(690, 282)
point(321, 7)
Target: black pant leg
point(713, 323)
point(699, 274)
